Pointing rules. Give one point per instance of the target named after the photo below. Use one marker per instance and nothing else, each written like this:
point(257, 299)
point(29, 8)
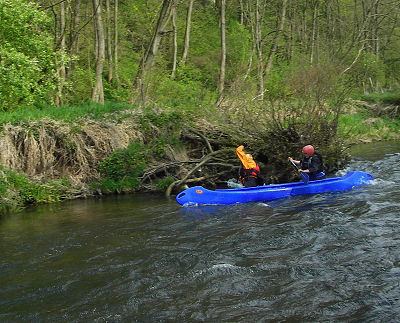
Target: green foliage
point(16, 191)
point(276, 87)
point(184, 92)
point(65, 113)
point(312, 82)
point(205, 45)
point(169, 121)
point(361, 127)
point(26, 55)
point(79, 87)
point(387, 97)
point(28, 50)
point(392, 61)
point(239, 39)
point(163, 183)
point(121, 170)
point(368, 72)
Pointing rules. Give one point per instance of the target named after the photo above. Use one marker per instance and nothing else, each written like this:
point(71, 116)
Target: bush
point(27, 58)
point(17, 191)
point(121, 170)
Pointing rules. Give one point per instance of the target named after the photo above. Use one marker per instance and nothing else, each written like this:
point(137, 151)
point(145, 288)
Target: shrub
point(121, 170)
point(17, 190)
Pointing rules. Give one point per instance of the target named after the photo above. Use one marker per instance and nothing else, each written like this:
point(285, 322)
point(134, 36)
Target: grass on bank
point(65, 113)
point(384, 98)
point(18, 191)
point(361, 127)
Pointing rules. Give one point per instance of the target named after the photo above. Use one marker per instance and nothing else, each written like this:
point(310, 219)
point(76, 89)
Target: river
point(330, 257)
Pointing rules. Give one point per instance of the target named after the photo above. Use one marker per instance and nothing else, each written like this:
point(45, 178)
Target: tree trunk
point(290, 35)
point(116, 39)
point(274, 45)
point(241, 12)
point(360, 34)
point(260, 55)
point(109, 42)
point(73, 46)
point(61, 67)
point(375, 29)
point(221, 82)
point(187, 32)
point(314, 32)
point(152, 50)
point(175, 41)
point(98, 89)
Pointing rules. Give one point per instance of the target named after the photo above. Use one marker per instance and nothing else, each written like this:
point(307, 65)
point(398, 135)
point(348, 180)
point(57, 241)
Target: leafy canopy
point(26, 55)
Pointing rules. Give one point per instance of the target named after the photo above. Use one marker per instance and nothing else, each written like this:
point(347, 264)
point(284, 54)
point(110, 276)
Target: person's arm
point(297, 162)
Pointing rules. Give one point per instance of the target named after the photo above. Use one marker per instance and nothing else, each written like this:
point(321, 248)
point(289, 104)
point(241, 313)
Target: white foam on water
point(381, 182)
point(263, 204)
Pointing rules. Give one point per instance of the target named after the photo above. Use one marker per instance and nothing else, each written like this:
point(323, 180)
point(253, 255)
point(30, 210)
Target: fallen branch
point(203, 161)
point(155, 170)
point(204, 138)
point(193, 180)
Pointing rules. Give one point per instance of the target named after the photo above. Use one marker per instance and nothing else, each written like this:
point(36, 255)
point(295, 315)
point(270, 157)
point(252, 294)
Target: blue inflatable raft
point(199, 195)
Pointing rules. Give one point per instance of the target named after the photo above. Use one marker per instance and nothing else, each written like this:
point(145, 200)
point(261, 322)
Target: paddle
point(304, 176)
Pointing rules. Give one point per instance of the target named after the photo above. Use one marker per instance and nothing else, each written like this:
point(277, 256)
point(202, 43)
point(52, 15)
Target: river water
point(331, 257)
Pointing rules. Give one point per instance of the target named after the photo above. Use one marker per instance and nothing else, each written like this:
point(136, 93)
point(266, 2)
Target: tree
point(153, 46)
point(175, 40)
point(187, 32)
point(116, 39)
point(109, 42)
point(221, 82)
point(274, 44)
point(60, 43)
point(98, 89)
point(27, 75)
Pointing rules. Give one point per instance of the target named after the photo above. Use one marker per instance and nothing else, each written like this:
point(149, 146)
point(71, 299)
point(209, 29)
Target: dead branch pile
point(207, 157)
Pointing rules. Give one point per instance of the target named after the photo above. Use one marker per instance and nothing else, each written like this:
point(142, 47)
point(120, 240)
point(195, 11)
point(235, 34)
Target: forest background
point(121, 95)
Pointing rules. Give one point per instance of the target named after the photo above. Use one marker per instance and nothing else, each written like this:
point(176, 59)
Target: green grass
point(360, 127)
point(386, 98)
point(65, 113)
point(18, 191)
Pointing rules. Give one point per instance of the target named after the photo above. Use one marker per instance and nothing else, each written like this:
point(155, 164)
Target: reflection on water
point(330, 257)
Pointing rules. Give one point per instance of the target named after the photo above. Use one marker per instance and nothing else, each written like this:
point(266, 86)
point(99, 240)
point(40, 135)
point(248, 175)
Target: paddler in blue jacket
point(249, 174)
point(311, 163)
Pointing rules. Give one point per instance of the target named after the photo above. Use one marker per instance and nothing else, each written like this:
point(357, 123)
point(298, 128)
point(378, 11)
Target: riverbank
point(364, 122)
point(56, 154)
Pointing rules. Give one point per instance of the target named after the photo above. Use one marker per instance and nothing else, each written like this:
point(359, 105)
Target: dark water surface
point(331, 257)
